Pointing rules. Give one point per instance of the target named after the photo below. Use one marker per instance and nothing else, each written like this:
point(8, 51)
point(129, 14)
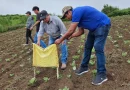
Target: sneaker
point(81, 71)
point(99, 79)
point(24, 44)
point(63, 66)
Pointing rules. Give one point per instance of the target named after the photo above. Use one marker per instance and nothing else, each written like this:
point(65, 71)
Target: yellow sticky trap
point(47, 57)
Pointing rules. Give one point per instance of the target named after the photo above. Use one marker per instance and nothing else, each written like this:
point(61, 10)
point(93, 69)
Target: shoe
point(99, 79)
point(63, 66)
point(81, 70)
point(24, 44)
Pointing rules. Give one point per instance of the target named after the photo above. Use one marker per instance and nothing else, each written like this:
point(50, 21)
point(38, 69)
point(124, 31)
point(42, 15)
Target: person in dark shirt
point(37, 24)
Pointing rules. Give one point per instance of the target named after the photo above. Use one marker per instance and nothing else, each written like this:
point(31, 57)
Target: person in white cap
point(98, 24)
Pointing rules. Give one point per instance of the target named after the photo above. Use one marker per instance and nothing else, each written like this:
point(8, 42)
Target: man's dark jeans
point(96, 39)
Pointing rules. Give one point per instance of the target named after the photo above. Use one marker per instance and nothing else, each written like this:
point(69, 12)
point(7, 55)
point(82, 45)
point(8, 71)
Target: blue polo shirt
point(89, 18)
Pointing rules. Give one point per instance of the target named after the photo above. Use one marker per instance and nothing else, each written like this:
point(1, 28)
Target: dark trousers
point(96, 39)
point(28, 35)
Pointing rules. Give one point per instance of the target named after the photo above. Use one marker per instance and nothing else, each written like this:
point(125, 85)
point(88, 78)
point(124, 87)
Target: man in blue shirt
point(98, 24)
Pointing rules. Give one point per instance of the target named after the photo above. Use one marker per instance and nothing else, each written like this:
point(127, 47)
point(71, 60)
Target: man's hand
point(38, 43)
point(58, 41)
point(31, 28)
point(77, 33)
point(25, 27)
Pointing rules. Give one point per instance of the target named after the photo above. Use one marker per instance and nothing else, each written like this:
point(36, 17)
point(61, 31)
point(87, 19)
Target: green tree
point(107, 9)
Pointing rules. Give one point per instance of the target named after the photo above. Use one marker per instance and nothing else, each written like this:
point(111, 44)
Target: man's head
point(67, 12)
point(35, 9)
point(28, 13)
point(44, 16)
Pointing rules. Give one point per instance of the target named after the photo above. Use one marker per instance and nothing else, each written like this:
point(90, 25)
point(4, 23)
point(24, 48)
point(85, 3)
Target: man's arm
point(37, 22)
point(40, 33)
point(70, 31)
point(78, 33)
point(30, 22)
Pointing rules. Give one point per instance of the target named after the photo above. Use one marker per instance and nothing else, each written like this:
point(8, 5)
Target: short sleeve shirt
point(89, 18)
point(38, 19)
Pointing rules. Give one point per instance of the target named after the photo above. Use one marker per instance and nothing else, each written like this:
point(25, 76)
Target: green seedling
point(7, 60)
point(69, 42)
point(22, 51)
point(38, 72)
point(91, 62)
point(117, 33)
point(21, 65)
point(46, 79)
point(69, 76)
point(14, 55)
point(28, 52)
point(128, 61)
point(94, 72)
point(109, 37)
point(92, 56)
point(114, 41)
point(82, 41)
point(124, 54)
point(2, 69)
point(79, 51)
point(29, 59)
point(32, 81)
point(93, 50)
point(127, 42)
point(11, 75)
point(81, 46)
point(75, 57)
point(60, 76)
point(83, 36)
point(120, 36)
point(74, 68)
point(117, 46)
point(73, 65)
point(65, 88)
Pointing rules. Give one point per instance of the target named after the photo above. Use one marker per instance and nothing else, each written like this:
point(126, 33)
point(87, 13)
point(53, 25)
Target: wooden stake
point(34, 72)
point(57, 72)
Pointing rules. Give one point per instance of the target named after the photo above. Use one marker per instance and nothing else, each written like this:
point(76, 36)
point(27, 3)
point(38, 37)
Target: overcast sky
point(54, 6)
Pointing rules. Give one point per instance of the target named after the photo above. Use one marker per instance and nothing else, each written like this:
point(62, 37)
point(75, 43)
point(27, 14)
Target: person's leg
point(64, 51)
point(42, 43)
point(30, 35)
point(35, 38)
point(51, 40)
point(99, 43)
point(64, 54)
point(87, 54)
point(27, 36)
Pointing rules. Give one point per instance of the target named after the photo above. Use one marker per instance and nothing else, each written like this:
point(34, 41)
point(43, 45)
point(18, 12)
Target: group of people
point(84, 17)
